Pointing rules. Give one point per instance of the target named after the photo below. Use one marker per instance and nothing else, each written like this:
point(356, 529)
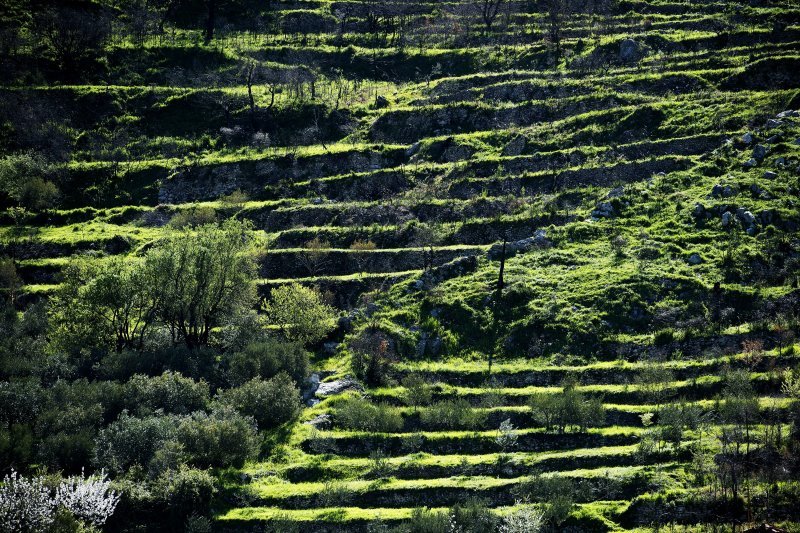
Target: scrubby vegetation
point(475, 266)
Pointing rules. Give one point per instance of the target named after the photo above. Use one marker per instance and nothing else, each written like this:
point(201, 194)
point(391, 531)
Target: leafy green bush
point(185, 492)
point(220, 439)
point(300, 313)
point(270, 403)
point(266, 359)
point(360, 414)
point(170, 392)
point(132, 441)
point(428, 521)
point(452, 414)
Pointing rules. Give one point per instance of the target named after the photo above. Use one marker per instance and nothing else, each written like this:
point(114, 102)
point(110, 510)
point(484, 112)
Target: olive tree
point(300, 313)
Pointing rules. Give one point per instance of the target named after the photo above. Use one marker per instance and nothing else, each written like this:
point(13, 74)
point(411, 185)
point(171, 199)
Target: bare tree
point(489, 10)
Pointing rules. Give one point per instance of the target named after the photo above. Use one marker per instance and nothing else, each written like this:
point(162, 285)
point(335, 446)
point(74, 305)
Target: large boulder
point(515, 146)
point(629, 51)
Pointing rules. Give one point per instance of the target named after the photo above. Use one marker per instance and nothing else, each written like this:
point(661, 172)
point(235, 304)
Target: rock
point(381, 102)
point(780, 161)
point(329, 348)
point(745, 217)
point(747, 138)
point(789, 113)
point(722, 191)
point(312, 402)
point(772, 123)
point(515, 146)
point(752, 230)
point(695, 259)
point(770, 175)
point(699, 210)
point(338, 386)
point(629, 50)
point(767, 217)
point(323, 421)
point(797, 141)
point(750, 163)
point(726, 219)
point(616, 192)
point(540, 239)
point(773, 139)
point(245, 478)
point(413, 149)
point(603, 210)
point(758, 192)
point(759, 152)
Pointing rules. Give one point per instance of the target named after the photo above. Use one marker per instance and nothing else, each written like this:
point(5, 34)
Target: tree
point(300, 313)
point(26, 180)
point(203, 279)
point(314, 256)
point(418, 392)
point(506, 436)
point(10, 281)
point(191, 282)
point(489, 10)
point(72, 35)
point(556, 11)
point(114, 305)
point(270, 403)
point(654, 382)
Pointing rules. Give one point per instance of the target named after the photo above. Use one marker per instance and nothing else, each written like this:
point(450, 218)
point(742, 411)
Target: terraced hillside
point(562, 241)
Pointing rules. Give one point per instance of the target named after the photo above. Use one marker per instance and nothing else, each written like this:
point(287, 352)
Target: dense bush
point(566, 409)
point(452, 414)
point(169, 392)
point(362, 415)
point(132, 441)
point(219, 439)
point(270, 403)
point(266, 359)
point(300, 313)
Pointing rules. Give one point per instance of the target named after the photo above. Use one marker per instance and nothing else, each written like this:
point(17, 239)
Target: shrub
point(186, 491)
point(270, 403)
point(372, 355)
point(452, 414)
point(663, 337)
point(569, 408)
point(473, 516)
point(428, 521)
point(30, 505)
point(170, 392)
point(221, 439)
point(266, 359)
point(418, 392)
point(526, 520)
point(132, 441)
point(360, 414)
point(300, 313)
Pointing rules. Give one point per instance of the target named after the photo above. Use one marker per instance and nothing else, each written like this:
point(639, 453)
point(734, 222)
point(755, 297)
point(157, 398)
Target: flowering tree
point(89, 499)
point(25, 504)
point(29, 505)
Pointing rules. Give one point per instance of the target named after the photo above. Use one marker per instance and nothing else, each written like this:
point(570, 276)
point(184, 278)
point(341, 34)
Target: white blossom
point(88, 498)
point(25, 504)
point(525, 520)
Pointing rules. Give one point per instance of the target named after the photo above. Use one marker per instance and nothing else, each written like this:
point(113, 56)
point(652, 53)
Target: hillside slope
point(592, 205)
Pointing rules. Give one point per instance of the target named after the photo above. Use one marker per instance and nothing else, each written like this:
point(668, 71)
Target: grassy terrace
point(598, 204)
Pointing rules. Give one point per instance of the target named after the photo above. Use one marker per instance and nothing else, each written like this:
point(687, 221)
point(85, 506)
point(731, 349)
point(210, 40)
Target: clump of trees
point(567, 409)
point(185, 286)
point(155, 368)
